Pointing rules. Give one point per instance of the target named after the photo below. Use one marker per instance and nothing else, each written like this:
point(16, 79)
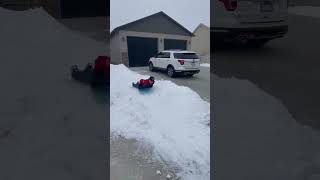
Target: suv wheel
point(170, 71)
point(151, 67)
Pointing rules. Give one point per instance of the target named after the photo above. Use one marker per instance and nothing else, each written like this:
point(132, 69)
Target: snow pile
point(54, 121)
point(309, 11)
point(34, 34)
point(172, 118)
point(205, 65)
point(255, 128)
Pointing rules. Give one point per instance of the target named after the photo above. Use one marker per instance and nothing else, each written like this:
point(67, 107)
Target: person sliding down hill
point(100, 71)
point(144, 83)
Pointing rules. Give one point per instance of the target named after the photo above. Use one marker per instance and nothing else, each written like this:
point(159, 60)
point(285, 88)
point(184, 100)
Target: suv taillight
point(181, 62)
point(230, 5)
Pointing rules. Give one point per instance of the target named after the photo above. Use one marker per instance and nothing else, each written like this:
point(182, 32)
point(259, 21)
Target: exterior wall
point(201, 41)
point(115, 49)
point(157, 23)
point(119, 46)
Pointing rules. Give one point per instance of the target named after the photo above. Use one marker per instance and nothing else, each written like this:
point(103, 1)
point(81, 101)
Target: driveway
point(200, 82)
point(286, 68)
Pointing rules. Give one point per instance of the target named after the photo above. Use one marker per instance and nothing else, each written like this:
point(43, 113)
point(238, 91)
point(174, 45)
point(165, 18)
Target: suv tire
point(151, 68)
point(170, 71)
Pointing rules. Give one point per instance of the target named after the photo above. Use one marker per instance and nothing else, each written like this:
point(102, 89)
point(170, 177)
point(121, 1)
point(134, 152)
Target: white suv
point(252, 22)
point(176, 62)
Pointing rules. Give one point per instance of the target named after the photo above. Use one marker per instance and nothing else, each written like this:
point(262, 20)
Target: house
point(63, 8)
point(201, 40)
point(134, 43)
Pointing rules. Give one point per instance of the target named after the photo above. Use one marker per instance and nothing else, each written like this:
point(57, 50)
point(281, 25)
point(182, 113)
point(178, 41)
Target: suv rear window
point(163, 55)
point(186, 56)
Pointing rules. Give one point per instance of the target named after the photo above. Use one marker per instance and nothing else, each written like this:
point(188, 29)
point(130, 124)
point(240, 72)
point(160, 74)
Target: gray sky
point(189, 13)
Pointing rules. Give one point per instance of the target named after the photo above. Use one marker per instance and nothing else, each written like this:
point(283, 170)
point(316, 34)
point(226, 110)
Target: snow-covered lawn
point(305, 11)
point(171, 118)
point(205, 65)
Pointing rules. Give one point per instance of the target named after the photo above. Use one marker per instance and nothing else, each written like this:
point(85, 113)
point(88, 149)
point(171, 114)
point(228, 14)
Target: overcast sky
point(189, 13)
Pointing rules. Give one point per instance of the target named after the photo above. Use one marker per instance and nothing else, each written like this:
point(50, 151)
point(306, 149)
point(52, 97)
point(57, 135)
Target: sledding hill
point(54, 128)
point(172, 119)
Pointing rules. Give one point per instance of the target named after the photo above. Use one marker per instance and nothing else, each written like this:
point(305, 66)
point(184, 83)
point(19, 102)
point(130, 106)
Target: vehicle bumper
point(250, 33)
point(195, 71)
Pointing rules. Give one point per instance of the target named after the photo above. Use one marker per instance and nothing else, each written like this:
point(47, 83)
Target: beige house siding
point(119, 47)
point(201, 41)
point(115, 49)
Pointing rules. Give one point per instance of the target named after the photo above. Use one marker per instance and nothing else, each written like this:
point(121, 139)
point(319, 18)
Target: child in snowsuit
point(100, 67)
point(101, 71)
point(144, 83)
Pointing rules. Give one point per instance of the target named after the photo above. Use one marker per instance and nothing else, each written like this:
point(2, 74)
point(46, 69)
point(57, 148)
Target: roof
point(199, 26)
point(159, 14)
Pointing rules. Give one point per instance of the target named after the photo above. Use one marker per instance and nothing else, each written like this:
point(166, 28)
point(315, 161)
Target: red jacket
point(101, 65)
point(145, 83)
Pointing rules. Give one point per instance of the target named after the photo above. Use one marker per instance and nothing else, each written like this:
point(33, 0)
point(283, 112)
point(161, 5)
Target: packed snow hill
point(257, 138)
point(55, 126)
point(170, 118)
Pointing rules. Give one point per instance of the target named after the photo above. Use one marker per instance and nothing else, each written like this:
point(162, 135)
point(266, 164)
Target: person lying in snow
point(144, 83)
point(95, 75)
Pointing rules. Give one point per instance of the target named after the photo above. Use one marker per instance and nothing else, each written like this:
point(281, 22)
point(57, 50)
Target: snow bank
point(172, 118)
point(55, 121)
point(255, 128)
point(35, 34)
point(205, 65)
point(309, 11)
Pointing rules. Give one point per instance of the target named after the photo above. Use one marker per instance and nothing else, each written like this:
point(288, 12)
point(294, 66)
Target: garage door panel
point(140, 50)
point(175, 44)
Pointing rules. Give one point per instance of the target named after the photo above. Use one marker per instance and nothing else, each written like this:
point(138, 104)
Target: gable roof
point(199, 26)
point(161, 14)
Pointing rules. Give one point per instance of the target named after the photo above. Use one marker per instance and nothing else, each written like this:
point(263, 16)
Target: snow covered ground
point(172, 120)
point(56, 127)
point(257, 138)
point(205, 65)
point(309, 11)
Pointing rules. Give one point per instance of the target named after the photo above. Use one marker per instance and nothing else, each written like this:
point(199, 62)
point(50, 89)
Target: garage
point(134, 43)
point(83, 8)
point(175, 44)
point(140, 49)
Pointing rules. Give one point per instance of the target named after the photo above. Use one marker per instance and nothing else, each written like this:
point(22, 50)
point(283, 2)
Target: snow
point(309, 11)
point(255, 128)
point(205, 65)
point(54, 121)
point(173, 119)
